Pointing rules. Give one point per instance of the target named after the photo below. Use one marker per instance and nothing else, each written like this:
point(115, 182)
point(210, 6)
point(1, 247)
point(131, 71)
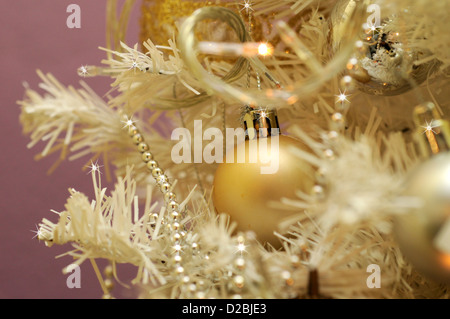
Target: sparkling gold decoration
point(243, 192)
point(159, 18)
point(383, 64)
point(418, 231)
point(188, 46)
point(424, 233)
point(433, 133)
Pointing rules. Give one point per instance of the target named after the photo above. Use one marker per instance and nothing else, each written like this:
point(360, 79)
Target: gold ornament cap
point(260, 123)
point(432, 132)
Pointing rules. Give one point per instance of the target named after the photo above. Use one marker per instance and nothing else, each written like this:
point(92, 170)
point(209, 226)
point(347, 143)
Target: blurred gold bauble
point(159, 19)
point(241, 191)
point(385, 64)
point(424, 233)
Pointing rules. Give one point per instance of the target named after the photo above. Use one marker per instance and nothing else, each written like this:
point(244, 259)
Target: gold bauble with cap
point(248, 188)
point(423, 233)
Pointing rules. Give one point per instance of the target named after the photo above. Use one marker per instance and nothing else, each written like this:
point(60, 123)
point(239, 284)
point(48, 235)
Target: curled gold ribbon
point(188, 48)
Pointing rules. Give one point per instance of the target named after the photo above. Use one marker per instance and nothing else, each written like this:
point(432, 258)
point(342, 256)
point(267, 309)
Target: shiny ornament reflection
point(424, 233)
point(241, 191)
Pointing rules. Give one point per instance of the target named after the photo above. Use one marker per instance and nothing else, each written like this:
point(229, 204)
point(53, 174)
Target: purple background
point(34, 36)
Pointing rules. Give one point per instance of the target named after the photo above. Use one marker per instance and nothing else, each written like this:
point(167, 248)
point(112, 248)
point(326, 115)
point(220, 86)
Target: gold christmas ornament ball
point(248, 196)
point(159, 18)
point(423, 234)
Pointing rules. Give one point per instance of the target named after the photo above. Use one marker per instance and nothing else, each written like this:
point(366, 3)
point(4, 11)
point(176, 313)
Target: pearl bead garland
point(172, 220)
